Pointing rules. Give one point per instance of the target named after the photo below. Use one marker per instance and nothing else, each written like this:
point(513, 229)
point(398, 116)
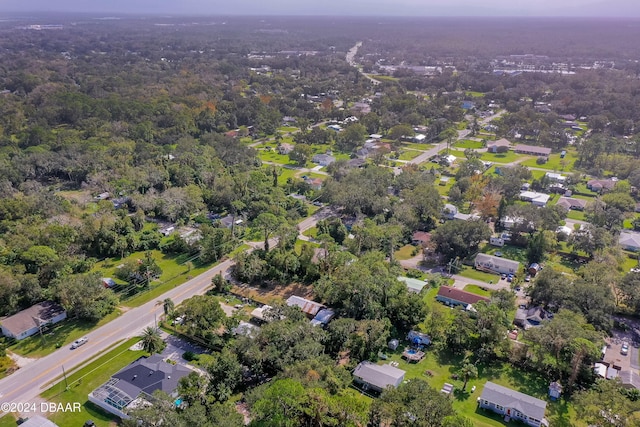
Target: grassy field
point(468, 143)
point(474, 94)
point(60, 335)
point(507, 157)
point(475, 289)
point(579, 215)
point(274, 157)
point(555, 163)
point(509, 252)
point(174, 273)
point(414, 146)
point(405, 252)
point(311, 232)
point(408, 154)
point(383, 78)
point(472, 273)
point(442, 367)
point(444, 189)
point(85, 380)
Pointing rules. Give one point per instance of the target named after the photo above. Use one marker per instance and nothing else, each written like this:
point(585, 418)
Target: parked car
point(527, 278)
point(80, 341)
point(503, 276)
point(624, 350)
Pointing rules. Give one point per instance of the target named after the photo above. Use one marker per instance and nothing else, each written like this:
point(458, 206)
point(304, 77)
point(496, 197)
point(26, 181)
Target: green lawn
point(414, 146)
point(442, 366)
point(444, 189)
point(285, 174)
point(85, 380)
point(311, 232)
point(408, 154)
point(174, 272)
point(475, 289)
point(509, 252)
point(507, 157)
point(574, 214)
point(60, 335)
point(474, 94)
point(287, 129)
point(405, 252)
point(383, 78)
point(274, 157)
point(472, 273)
point(555, 163)
point(468, 143)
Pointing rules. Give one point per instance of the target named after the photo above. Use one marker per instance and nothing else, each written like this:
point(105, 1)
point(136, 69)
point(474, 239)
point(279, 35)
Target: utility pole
point(66, 384)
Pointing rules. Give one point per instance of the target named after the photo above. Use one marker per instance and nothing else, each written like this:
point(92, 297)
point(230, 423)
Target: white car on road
point(80, 341)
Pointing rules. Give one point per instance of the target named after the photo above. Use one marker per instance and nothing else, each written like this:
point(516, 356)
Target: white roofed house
point(629, 241)
point(370, 376)
point(496, 264)
point(536, 199)
point(513, 404)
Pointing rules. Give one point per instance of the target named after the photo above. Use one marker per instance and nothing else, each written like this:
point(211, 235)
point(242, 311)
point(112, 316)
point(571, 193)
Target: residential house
point(513, 404)
point(556, 177)
point(496, 264)
point(600, 185)
point(323, 159)
point(629, 379)
point(307, 306)
point(454, 297)
point(413, 285)
point(32, 320)
point(284, 148)
point(262, 314)
point(420, 238)
point(572, 203)
point(629, 241)
point(531, 317)
point(37, 421)
point(336, 128)
point(370, 376)
point(246, 329)
point(449, 160)
point(323, 317)
point(532, 150)
point(375, 136)
point(494, 146)
point(136, 383)
point(419, 138)
point(466, 217)
point(449, 211)
point(535, 198)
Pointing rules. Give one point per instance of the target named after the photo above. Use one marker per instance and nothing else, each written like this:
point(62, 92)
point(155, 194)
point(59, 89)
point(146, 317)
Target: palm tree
point(152, 342)
point(468, 371)
point(168, 306)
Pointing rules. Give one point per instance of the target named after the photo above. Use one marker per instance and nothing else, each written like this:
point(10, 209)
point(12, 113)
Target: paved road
point(26, 384)
point(441, 146)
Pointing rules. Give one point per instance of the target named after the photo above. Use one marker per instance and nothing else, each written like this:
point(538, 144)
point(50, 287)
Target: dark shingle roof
point(148, 375)
point(503, 396)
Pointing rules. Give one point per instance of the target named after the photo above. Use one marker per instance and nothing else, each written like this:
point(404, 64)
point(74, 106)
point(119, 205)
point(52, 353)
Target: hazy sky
point(623, 8)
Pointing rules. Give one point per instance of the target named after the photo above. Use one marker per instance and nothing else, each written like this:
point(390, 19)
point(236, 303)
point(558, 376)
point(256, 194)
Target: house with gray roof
point(413, 285)
point(531, 317)
point(370, 376)
point(513, 404)
point(32, 320)
point(494, 264)
point(629, 241)
point(572, 203)
point(323, 159)
point(137, 382)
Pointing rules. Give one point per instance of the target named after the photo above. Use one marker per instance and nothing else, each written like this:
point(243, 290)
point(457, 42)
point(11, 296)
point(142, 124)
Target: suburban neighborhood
point(302, 222)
